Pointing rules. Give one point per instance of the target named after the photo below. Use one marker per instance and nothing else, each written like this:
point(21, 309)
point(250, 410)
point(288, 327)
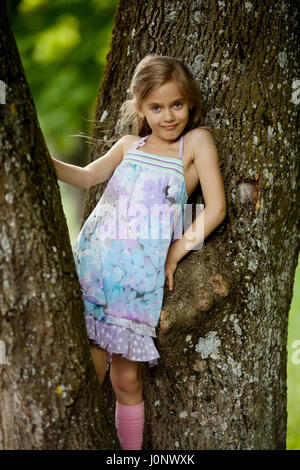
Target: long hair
point(152, 72)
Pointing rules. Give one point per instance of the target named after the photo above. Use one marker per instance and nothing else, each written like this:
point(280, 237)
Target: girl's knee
point(125, 374)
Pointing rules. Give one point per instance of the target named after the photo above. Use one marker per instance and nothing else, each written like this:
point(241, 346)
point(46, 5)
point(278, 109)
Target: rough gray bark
point(50, 397)
point(221, 379)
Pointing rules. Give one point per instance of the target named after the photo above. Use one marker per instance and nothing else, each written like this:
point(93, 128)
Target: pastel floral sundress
point(121, 250)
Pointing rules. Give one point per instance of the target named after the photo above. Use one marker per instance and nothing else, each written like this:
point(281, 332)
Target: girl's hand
point(170, 268)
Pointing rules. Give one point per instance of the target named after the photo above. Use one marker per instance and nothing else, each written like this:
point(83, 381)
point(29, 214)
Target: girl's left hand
point(170, 268)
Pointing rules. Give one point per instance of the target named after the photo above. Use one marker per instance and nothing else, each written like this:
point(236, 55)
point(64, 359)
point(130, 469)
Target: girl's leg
point(126, 379)
point(100, 361)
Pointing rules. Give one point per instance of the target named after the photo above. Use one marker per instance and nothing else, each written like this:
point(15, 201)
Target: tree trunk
point(221, 378)
point(50, 397)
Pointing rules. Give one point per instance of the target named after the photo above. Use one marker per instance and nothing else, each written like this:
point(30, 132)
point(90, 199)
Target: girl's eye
point(154, 108)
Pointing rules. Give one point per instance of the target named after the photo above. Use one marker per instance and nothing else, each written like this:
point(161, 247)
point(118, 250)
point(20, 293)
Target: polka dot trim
point(121, 340)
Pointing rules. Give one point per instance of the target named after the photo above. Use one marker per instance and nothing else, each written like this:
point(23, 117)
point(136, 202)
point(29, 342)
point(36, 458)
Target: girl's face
point(166, 110)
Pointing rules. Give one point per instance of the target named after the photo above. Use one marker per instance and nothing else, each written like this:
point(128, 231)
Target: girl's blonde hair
point(152, 72)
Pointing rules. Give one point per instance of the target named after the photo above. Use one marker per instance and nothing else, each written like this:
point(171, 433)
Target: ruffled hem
point(121, 340)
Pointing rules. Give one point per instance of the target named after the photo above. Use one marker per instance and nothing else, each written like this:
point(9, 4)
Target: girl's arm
point(101, 169)
point(71, 174)
point(95, 172)
point(206, 162)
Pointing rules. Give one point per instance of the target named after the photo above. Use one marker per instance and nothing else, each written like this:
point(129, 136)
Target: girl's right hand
point(170, 268)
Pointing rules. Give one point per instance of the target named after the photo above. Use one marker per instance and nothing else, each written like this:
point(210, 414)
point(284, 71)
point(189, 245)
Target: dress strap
point(181, 147)
point(140, 142)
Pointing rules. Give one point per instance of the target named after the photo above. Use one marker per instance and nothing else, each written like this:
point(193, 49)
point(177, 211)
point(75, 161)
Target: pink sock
point(129, 422)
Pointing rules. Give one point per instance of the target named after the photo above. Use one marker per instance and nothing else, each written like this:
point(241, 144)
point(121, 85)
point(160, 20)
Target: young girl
point(121, 263)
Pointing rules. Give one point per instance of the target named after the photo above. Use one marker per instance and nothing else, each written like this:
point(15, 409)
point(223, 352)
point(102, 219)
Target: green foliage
point(63, 46)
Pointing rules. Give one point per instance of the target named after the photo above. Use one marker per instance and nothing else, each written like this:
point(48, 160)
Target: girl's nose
point(168, 116)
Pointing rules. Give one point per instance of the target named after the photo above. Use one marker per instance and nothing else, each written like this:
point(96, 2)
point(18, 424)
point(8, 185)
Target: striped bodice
point(155, 161)
point(163, 163)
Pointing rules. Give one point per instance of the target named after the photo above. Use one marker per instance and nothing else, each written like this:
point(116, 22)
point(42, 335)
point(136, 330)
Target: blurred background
point(63, 46)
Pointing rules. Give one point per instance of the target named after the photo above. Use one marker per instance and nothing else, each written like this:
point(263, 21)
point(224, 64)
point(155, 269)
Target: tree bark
point(50, 396)
point(221, 378)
